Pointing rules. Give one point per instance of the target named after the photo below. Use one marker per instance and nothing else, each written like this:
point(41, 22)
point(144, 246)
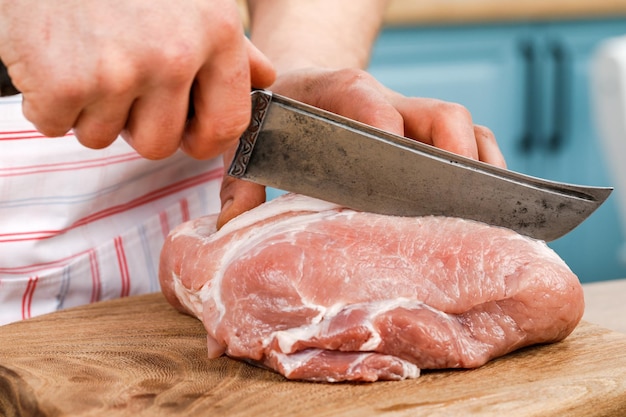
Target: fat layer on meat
point(318, 292)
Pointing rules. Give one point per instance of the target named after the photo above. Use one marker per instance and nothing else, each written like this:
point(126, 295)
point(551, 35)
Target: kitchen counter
point(606, 304)
point(428, 12)
point(408, 12)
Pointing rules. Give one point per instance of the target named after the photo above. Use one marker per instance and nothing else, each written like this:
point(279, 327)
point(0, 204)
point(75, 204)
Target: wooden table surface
point(414, 12)
point(605, 304)
point(451, 12)
point(137, 356)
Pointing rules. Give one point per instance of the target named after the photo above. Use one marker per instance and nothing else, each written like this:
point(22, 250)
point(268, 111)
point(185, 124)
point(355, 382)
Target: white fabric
point(79, 225)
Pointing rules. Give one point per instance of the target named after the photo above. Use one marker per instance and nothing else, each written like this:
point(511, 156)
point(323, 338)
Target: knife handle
point(6, 85)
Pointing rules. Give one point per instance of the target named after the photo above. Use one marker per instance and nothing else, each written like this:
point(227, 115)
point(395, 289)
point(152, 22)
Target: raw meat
point(318, 292)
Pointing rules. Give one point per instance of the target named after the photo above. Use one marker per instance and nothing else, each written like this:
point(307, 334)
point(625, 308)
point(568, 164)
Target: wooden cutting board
point(137, 356)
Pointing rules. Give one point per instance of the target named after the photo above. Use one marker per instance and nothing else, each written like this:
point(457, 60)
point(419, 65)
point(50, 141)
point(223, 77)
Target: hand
point(130, 66)
point(357, 95)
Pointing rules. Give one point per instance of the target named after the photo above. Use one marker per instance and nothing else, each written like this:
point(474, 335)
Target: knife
point(299, 148)
point(295, 147)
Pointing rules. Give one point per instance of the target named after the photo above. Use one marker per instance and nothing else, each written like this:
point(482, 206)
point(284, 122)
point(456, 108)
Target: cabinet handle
point(529, 139)
point(562, 97)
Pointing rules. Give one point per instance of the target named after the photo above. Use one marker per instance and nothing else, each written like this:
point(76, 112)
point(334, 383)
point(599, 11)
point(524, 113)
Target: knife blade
point(299, 148)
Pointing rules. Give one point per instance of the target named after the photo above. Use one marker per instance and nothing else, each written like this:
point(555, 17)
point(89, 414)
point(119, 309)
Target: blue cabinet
point(528, 82)
point(481, 68)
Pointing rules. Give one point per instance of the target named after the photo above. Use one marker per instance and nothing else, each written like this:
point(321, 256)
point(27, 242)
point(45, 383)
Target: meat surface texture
point(322, 293)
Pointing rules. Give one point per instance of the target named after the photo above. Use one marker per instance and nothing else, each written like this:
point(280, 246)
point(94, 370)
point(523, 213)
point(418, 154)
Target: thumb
point(237, 196)
point(262, 72)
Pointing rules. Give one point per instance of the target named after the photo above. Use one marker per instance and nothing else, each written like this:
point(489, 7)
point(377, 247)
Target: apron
point(79, 225)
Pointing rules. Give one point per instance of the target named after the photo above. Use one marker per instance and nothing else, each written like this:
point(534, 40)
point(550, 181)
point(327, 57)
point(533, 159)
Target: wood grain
point(137, 356)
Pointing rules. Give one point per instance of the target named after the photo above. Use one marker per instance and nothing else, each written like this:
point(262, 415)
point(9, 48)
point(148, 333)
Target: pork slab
point(318, 292)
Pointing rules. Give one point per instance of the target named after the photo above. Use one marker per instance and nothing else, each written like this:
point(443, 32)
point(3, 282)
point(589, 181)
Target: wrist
point(331, 34)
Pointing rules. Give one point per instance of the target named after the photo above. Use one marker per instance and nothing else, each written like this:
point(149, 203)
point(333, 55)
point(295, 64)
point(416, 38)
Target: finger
point(262, 72)
point(221, 101)
point(107, 111)
point(373, 110)
point(488, 149)
point(100, 124)
point(53, 96)
point(347, 87)
point(445, 125)
point(237, 196)
point(52, 114)
point(157, 121)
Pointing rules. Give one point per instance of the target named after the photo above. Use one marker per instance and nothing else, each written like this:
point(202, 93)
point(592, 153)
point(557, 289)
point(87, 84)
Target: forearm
point(321, 33)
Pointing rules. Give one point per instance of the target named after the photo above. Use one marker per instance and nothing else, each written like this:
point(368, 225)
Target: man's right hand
point(131, 67)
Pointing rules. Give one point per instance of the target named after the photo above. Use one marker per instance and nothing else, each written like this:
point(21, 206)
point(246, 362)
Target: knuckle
point(123, 81)
point(114, 77)
point(72, 91)
point(230, 123)
point(155, 153)
point(93, 140)
point(454, 111)
point(226, 35)
point(226, 131)
point(354, 78)
point(51, 131)
point(215, 137)
point(230, 25)
point(484, 132)
point(149, 148)
point(45, 120)
point(180, 63)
